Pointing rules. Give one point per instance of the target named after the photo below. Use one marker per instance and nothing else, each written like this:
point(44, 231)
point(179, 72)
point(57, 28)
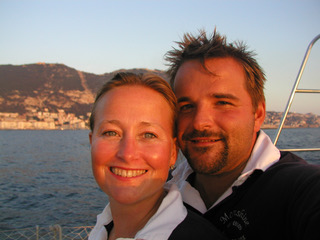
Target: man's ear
point(259, 116)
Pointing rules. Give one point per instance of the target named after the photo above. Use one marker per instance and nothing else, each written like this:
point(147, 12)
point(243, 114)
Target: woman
point(133, 146)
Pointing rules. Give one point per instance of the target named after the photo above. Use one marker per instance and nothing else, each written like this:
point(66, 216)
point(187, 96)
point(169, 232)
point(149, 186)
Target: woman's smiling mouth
point(127, 173)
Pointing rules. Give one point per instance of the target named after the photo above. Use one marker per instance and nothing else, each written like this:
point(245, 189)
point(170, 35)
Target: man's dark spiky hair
point(202, 47)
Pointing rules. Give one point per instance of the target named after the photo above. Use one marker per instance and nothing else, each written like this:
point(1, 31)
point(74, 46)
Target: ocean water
point(46, 177)
point(299, 138)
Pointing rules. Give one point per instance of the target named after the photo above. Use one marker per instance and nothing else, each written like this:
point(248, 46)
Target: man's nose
point(203, 118)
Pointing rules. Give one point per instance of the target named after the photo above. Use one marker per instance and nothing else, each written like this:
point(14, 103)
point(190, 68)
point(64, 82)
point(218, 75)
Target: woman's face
point(132, 146)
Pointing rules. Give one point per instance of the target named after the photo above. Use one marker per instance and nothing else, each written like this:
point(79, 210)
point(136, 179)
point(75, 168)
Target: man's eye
point(149, 135)
point(185, 107)
point(224, 103)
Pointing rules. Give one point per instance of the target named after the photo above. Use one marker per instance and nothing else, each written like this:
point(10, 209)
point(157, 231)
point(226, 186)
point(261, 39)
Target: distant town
point(57, 97)
point(62, 121)
point(43, 120)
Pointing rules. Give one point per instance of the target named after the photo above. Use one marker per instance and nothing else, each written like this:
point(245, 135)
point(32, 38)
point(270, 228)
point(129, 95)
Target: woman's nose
point(127, 149)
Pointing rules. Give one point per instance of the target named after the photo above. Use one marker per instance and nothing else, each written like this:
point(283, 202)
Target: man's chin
point(206, 163)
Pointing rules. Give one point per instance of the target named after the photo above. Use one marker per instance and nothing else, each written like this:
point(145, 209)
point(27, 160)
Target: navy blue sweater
point(281, 203)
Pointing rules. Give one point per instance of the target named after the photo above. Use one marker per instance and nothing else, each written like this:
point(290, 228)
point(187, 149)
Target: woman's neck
point(128, 219)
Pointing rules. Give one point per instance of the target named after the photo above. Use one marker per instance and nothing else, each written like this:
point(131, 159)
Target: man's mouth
point(204, 137)
point(200, 140)
point(127, 173)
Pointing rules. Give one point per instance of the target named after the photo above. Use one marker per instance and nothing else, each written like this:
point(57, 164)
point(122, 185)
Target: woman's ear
point(174, 152)
point(90, 138)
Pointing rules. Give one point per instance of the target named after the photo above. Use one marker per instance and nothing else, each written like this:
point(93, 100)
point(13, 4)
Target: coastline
point(69, 121)
point(87, 128)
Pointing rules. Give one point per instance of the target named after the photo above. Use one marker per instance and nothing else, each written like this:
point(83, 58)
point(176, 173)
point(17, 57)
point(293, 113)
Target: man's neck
point(211, 187)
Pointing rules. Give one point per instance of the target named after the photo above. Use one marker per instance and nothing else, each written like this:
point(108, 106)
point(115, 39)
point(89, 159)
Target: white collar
point(263, 155)
point(160, 226)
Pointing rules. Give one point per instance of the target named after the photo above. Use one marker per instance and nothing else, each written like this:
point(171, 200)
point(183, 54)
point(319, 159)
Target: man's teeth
point(127, 173)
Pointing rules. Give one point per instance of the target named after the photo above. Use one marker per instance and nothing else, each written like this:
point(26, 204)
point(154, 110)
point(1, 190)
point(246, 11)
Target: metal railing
point(296, 90)
point(55, 232)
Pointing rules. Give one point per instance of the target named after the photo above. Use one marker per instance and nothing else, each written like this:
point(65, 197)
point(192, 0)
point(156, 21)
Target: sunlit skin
point(132, 146)
point(217, 124)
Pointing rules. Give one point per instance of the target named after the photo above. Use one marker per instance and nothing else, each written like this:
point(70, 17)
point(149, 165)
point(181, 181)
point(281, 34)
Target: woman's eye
point(110, 133)
point(149, 135)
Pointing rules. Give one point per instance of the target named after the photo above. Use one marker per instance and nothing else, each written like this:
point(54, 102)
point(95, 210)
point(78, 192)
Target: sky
point(99, 37)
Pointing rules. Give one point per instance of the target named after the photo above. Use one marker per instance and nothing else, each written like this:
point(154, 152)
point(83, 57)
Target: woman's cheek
point(157, 158)
point(101, 153)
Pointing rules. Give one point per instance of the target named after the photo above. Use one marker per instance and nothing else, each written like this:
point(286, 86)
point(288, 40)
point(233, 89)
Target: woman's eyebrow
point(111, 121)
point(150, 124)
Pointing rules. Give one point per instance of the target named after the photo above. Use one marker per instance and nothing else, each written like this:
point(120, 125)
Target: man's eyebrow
point(183, 99)
point(224, 95)
point(214, 95)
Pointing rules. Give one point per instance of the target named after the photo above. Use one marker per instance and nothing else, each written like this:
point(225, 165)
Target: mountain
point(55, 93)
point(35, 87)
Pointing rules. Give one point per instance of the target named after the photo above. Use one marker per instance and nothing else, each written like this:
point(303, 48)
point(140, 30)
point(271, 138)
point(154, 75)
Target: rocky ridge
point(36, 87)
point(58, 94)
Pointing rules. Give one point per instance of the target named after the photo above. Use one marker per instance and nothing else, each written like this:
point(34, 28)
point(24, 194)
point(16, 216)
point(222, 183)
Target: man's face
point(217, 124)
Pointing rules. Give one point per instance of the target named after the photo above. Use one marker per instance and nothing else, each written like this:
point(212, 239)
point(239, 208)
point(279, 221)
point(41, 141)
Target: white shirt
point(263, 155)
point(159, 227)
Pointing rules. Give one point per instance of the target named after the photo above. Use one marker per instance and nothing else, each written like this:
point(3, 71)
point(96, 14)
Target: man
point(238, 179)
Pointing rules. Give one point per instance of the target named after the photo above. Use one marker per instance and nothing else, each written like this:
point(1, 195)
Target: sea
point(46, 176)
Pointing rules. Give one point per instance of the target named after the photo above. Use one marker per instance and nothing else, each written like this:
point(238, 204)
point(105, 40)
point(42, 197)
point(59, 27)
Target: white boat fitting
point(295, 90)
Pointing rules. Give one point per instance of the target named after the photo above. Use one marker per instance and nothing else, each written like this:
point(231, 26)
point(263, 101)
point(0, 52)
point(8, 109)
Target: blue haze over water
point(46, 176)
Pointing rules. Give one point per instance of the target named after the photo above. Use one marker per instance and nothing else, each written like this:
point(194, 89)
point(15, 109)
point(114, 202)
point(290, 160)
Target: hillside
point(36, 87)
point(55, 96)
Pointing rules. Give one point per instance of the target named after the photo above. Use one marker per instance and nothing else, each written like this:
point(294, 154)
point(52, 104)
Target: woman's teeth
point(127, 173)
